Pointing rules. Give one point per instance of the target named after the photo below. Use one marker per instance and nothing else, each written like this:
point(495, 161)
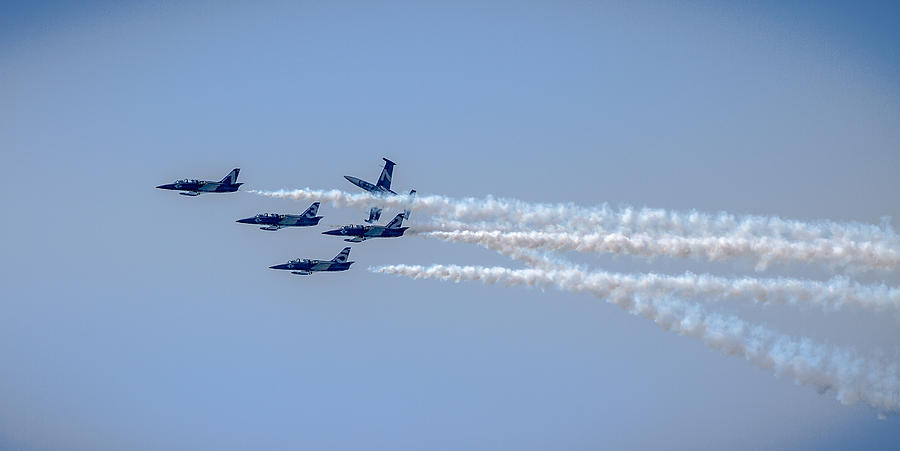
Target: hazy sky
point(133, 318)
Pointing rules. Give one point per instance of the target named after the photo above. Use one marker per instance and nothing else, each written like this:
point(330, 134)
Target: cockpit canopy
point(299, 260)
point(187, 181)
point(268, 215)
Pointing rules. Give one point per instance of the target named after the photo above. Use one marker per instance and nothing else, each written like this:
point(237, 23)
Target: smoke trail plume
point(853, 378)
point(830, 295)
point(513, 214)
point(764, 250)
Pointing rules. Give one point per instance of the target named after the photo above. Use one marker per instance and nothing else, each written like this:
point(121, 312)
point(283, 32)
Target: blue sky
point(137, 319)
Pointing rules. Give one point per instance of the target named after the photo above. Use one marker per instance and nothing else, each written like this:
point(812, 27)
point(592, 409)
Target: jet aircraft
point(193, 187)
point(384, 181)
point(305, 267)
point(360, 233)
point(275, 221)
point(382, 188)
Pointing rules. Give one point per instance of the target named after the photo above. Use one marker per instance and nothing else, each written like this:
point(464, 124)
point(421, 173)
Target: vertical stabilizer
point(343, 256)
point(374, 214)
point(397, 222)
point(232, 176)
point(412, 195)
point(385, 180)
point(311, 211)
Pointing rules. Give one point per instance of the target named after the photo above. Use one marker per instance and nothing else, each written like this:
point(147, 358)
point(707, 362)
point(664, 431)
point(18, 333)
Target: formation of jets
point(275, 221)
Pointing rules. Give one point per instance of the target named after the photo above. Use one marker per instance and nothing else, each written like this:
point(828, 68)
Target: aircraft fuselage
point(374, 189)
point(195, 187)
point(277, 221)
point(366, 232)
point(310, 266)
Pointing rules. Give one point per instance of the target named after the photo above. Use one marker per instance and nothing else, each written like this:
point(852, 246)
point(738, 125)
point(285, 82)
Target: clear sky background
point(132, 318)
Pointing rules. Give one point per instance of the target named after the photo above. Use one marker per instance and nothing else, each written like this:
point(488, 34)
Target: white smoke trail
point(830, 295)
point(661, 232)
point(853, 378)
point(536, 259)
point(763, 250)
point(513, 214)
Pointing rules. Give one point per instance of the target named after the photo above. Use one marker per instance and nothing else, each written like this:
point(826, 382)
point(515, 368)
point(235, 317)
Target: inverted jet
point(305, 266)
point(193, 187)
point(275, 221)
point(384, 181)
point(381, 188)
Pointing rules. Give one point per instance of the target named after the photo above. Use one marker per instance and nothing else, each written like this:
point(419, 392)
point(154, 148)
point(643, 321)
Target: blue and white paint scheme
point(384, 181)
point(359, 233)
point(193, 187)
point(305, 266)
point(276, 221)
point(382, 188)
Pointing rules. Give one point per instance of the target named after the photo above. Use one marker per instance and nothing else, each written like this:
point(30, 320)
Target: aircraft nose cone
point(282, 266)
point(246, 221)
point(332, 232)
point(169, 186)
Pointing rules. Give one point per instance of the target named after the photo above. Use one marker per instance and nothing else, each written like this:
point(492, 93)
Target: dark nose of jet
point(247, 221)
point(332, 232)
point(169, 186)
point(281, 266)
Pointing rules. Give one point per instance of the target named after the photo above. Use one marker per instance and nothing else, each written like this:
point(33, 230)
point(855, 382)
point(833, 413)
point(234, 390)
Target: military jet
point(275, 221)
point(382, 188)
point(360, 233)
point(192, 187)
point(384, 182)
point(305, 267)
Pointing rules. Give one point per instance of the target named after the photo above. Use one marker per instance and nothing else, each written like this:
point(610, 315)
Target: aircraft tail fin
point(412, 195)
point(385, 180)
point(374, 214)
point(343, 256)
point(232, 176)
point(312, 211)
point(397, 222)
